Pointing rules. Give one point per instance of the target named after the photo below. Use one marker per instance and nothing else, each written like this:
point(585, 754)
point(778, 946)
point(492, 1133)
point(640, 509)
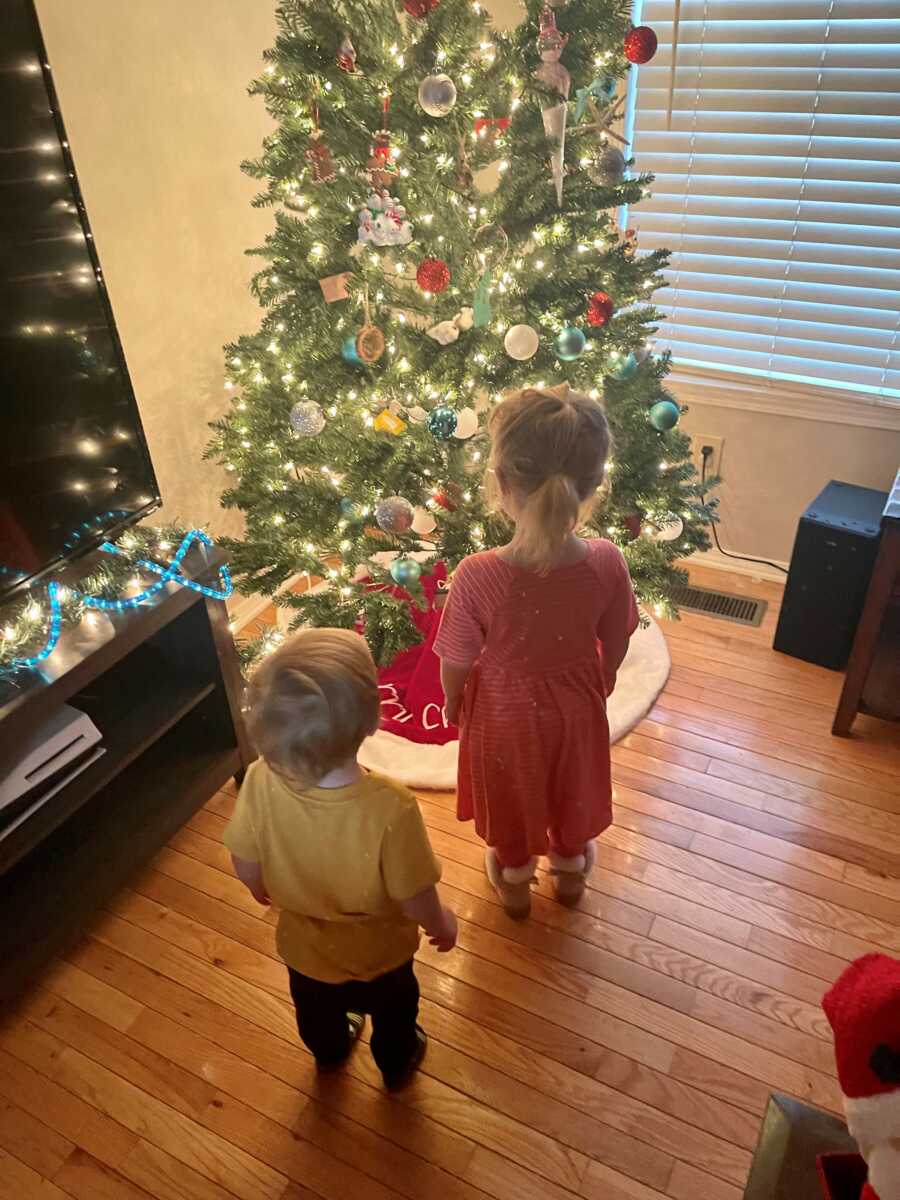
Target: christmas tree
point(402, 297)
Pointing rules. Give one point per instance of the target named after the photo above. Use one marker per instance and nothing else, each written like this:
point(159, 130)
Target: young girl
point(519, 651)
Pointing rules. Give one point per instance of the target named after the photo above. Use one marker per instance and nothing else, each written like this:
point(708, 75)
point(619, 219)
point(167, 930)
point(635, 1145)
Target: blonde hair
point(312, 703)
point(549, 448)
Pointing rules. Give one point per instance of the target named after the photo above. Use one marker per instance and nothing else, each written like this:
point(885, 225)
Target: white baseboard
point(720, 562)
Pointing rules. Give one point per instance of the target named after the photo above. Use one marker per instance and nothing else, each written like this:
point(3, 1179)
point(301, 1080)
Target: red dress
point(534, 768)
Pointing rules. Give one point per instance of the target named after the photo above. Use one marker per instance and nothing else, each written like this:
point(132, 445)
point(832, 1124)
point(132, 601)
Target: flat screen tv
point(74, 465)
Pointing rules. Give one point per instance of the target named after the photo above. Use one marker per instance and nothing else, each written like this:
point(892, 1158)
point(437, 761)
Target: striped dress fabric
point(534, 767)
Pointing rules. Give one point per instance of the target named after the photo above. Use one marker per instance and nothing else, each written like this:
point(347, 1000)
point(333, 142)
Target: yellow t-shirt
point(336, 861)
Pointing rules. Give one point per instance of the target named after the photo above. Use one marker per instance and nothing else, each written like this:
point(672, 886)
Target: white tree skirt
point(641, 678)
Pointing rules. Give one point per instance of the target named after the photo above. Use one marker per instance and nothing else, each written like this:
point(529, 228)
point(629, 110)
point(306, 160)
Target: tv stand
point(163, 685)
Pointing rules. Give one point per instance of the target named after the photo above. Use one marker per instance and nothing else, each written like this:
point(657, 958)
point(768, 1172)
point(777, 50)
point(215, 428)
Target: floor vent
point(740, 609)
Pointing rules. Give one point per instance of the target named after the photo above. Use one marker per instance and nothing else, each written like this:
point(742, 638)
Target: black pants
point(392, 1001)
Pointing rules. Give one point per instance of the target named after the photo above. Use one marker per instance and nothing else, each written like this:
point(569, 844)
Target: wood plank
point(20, 1182)
point(600, 1183)
point(30, 1141)
point(855, 899)
point(145, 1116)
point(829, 911)
point(786, 1059)
point(166, 1177)
point(68, 1116)
point(731, 832)
point(626, 959)
point(689, 1182)
point(799, 833)
point(87, 1179)
point(752, 745)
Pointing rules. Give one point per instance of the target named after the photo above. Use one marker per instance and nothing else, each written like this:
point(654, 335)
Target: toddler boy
point(343, 854)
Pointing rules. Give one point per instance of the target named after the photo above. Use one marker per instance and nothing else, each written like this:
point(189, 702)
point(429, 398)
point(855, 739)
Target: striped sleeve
point(460, 638)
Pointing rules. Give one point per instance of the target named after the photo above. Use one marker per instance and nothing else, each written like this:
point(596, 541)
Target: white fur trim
point(642, 676)
point(874, 1119)
point(571, 866)
point(884, 1169)
point(520, 874)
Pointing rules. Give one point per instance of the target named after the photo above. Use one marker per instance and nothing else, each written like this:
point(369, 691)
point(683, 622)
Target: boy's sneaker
point(512, 884)
point(569, 874)
point(356, 1023)
point(394, 1082)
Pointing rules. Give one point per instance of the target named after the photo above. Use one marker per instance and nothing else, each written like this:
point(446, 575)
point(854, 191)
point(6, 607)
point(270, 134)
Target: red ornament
point(495, 124)
point(632, 523)
point(447, 496)
point(420, 8)
point(600, 309)
point(432, 275)
point(640, 44)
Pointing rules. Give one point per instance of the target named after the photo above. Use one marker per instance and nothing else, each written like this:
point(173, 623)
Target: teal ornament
point(349, 353)
point(350, 509)
point(602, 90)
point(405, 571)
point(481, 302)
point(570, 344)
point(664, 415)
point(625, 367)
point(441, 422)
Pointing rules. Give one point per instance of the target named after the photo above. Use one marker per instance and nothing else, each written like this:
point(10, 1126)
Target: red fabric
point(534, 766)
point(412, 700)
point(863, 1007)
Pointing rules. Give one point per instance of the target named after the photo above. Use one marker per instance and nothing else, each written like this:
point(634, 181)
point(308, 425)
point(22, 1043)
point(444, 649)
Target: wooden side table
point(872, 681)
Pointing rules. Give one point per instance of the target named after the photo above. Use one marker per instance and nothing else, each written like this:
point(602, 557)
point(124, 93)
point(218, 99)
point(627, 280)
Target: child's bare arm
point(250, 875)
point(453, 681)
point(437, 921)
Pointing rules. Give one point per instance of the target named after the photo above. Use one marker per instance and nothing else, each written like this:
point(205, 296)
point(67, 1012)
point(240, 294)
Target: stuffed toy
point(863, 1008)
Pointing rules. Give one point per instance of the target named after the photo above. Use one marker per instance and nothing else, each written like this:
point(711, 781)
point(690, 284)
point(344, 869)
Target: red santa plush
point(863, 1008)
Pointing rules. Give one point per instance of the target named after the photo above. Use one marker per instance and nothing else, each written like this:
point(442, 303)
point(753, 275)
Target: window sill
point(726, 390)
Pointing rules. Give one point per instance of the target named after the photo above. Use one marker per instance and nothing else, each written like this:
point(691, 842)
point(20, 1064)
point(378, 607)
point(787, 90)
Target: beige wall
point(773, 466)
point(153, 93)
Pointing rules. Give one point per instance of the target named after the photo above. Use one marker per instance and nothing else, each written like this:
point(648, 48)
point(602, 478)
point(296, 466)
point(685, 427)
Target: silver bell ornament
point(394, 514)
point(607, 167)
point(437, 95)
point(307, 419)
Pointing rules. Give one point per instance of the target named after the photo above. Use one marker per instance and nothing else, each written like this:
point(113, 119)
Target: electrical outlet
point(714, 460)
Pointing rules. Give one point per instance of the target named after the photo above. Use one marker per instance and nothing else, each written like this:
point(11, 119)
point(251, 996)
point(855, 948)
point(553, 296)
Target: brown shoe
point(512, 884)
point(569, 874)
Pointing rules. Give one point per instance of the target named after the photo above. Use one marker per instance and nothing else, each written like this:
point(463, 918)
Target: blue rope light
point(170, 574)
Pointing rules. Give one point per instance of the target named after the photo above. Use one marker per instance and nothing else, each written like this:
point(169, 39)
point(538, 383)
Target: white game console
point(60, 750)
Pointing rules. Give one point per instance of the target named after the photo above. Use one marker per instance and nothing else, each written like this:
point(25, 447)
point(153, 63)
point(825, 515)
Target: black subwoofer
point(834, 553)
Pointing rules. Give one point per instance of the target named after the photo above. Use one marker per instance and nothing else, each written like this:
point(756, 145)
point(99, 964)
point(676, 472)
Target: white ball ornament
point(466, 423)
point(521, 342)
point(437, 95)
point(671, 529)
point(423, 520)
point(394, 514)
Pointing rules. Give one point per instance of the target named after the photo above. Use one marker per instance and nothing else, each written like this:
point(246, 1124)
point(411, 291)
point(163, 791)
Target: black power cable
point(705, 453)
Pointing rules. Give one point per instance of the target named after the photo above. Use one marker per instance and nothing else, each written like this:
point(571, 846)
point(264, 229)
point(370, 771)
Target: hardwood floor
point(622, 1051)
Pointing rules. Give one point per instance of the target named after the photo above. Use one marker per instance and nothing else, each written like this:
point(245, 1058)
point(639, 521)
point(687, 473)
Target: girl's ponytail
point(546, 517)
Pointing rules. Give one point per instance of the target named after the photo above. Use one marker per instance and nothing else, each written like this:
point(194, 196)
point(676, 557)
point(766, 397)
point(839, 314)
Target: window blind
point(777, 187)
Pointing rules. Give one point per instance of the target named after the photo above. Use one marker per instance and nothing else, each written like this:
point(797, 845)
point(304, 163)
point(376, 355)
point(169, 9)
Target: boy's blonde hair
point(549, 448)
point(313, 702)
